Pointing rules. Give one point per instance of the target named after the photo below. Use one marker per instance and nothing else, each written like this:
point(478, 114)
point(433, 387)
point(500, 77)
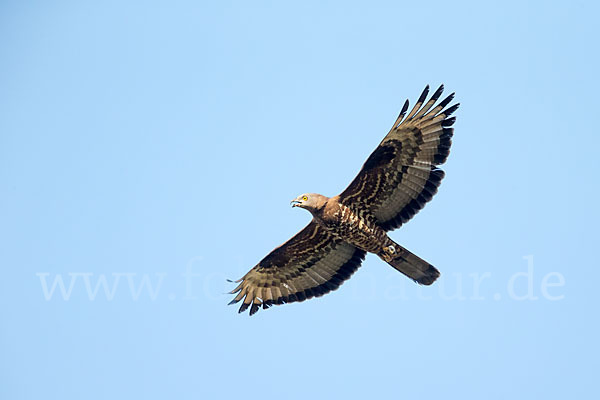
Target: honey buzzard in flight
point(395, 182)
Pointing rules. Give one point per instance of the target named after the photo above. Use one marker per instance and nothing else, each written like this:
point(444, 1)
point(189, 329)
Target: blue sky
point(155, 147)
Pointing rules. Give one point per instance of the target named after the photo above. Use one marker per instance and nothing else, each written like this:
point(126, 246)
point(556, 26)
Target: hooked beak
point(295, 203)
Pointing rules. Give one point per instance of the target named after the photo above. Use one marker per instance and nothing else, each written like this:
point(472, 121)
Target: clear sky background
point(142, 142)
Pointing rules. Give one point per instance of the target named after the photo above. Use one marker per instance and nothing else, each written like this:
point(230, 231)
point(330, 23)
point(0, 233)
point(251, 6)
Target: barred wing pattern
point(310, 264)
point(401, 175)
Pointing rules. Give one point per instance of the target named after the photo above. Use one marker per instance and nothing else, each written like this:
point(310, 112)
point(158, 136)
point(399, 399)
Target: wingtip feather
point(423, 95)
point(447, 100)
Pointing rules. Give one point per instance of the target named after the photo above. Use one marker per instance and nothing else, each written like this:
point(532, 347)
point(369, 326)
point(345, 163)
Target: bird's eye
point(304, 198)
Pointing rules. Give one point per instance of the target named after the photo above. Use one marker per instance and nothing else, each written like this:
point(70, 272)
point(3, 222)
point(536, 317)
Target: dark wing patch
point(380, 157)
point(310, 264)
point(401, 175)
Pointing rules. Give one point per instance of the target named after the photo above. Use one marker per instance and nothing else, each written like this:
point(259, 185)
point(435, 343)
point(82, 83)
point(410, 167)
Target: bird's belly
point(360, 234)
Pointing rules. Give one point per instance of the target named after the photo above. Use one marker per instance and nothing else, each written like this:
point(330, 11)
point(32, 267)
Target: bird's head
point(309, 201)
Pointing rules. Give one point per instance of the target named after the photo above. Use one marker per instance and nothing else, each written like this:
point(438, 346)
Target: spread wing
point(401, 175)
point(308, 265)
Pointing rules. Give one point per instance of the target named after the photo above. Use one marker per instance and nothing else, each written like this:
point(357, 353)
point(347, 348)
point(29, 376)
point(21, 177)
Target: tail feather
point(411, 265)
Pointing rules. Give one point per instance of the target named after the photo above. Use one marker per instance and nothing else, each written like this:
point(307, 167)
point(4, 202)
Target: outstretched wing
point(401, 175)
point(308, 265)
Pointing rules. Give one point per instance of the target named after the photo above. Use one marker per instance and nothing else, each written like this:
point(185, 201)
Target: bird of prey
point(395, 182)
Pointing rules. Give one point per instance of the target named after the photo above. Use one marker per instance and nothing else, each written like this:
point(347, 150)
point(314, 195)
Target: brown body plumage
point(395, 182)
point(361, 231)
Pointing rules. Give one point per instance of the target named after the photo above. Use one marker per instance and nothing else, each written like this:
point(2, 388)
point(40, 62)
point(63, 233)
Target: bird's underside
point(395, 182)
